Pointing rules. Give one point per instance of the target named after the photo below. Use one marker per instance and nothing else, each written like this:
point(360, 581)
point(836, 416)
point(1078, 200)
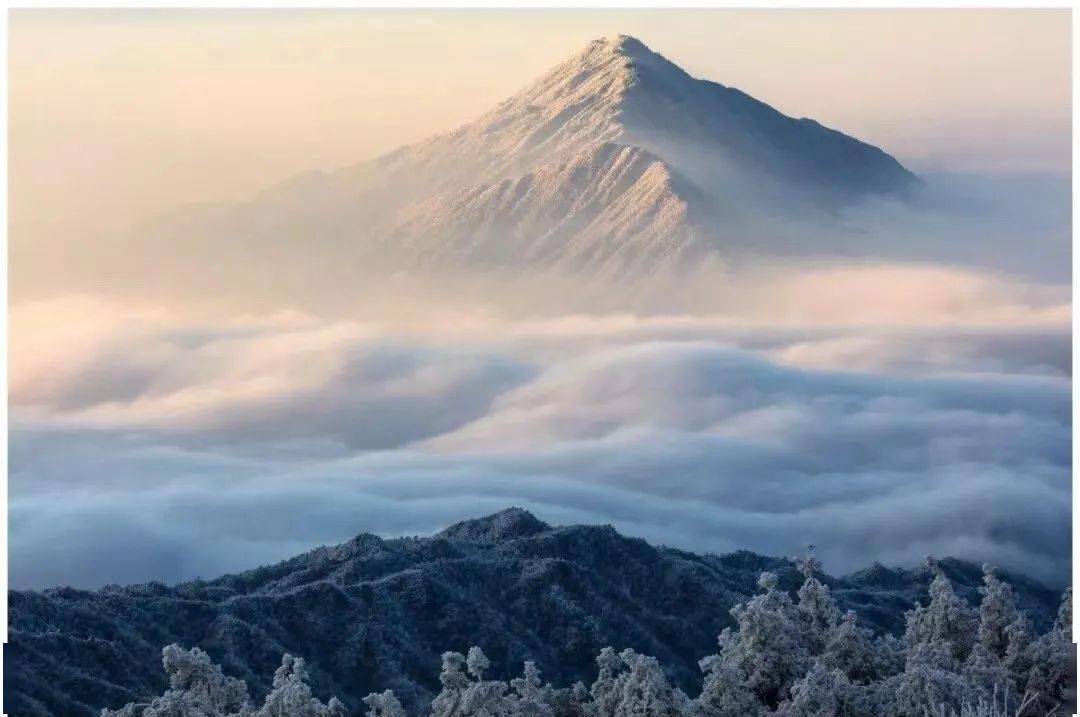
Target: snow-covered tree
point(573, 701)
point(999, 705)
point(923, 687)
point(291, 696)
point(532, 697)
point(383, 704)
point(605, 691)
point(986, 673)
point(633, 685)
point(852, 650)
point(767, 649)
point(470, 695)
point(997, 613)
point(1019, 636)
point(822, 692)
point(1053, 666)
point(196, 687)
point(477, 663)
point(889, 655)
point(725, 694)
point(943, 632)
point(816, 606)
point(454, 682)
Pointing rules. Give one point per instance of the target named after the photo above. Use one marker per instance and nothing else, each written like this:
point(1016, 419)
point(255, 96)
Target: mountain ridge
point(374, 613)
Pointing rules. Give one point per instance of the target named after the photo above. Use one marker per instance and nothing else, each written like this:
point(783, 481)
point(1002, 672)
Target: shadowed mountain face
point(372, 614)
point(616, 162)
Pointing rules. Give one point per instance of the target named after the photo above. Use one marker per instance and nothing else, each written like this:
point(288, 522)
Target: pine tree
point(820, 693)
point(1019, 636)
point(291, 696)
point(943, 632)
point(997, 613)
point(852, 650)
point(196, 687)
point(724, 693)
point(921, 689)
point(633, 685)
point(816, 606)
point(383, 704)
point(454, 683)
point(574, 701)
point(993, 666)
point(533, 699)
point(604, 690)
point(1053, 665)
point(987, 674)
point(767, 650)
point(477, 663)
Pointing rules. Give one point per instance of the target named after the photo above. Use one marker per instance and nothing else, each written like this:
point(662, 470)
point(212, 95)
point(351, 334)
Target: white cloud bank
point(150, 446)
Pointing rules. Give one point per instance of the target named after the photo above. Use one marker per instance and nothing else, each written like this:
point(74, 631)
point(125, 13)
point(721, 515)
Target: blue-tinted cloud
point(685, 433)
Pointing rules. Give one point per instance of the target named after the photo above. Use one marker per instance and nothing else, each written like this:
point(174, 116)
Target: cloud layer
point(192, 447)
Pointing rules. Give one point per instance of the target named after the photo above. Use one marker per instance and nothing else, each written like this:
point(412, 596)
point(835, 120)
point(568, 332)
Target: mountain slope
point(608, 209)
point(375, 614)
point(496, 191)
point(667, 110)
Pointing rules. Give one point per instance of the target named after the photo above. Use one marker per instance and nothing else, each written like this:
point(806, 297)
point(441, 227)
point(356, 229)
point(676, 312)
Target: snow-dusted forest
point(787, 657)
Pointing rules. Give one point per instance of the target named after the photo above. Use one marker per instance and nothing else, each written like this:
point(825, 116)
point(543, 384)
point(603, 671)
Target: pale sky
point(118, 113)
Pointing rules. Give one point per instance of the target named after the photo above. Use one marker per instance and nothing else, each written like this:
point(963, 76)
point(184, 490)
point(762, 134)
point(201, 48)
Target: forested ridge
point(578, 604)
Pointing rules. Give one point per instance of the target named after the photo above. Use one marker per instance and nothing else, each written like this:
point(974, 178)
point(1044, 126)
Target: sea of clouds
point(931, 414)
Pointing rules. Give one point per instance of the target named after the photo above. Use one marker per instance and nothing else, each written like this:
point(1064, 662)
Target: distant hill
point(372, 614)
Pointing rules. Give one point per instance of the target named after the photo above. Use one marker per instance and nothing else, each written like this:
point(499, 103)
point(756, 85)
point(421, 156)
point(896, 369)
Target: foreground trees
point(197, 688)
point(784, 658)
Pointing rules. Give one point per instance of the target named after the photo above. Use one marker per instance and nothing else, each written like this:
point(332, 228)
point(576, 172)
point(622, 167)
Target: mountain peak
point(623, 44)
point(507, 524)
point(622, 55)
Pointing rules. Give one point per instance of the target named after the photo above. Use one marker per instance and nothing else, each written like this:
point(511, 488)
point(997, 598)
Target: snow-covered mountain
point(614, 162)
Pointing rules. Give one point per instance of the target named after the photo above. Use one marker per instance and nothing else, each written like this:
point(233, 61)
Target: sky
point(911, 396)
